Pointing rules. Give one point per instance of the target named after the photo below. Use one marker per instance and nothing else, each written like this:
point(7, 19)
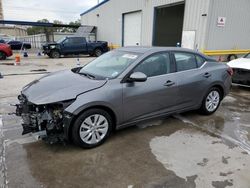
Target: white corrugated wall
point(109, 21)
point(236, 33)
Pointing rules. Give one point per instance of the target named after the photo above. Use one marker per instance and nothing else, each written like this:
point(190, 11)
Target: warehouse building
point(212, 26)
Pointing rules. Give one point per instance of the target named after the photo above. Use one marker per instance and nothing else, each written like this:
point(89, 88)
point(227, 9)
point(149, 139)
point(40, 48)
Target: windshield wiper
point(90, 76)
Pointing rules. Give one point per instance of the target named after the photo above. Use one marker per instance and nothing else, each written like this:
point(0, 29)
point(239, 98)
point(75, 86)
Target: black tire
point(78, 123)
point(203, 109)
point(231, 57)
point(54, 54)
point(2, 56)
point(98, 52)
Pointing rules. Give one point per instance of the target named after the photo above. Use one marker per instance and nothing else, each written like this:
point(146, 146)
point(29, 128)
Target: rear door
point(193, 79)
point(158, 95)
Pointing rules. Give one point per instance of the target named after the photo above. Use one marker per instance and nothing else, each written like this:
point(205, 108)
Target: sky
point(33, 10)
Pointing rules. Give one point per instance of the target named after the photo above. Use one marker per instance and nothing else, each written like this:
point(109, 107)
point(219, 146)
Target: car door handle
point(169, 83)
point(207, 75)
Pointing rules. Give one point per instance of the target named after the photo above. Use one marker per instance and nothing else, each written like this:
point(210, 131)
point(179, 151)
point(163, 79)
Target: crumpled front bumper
point(35, 122)
point(26, 120)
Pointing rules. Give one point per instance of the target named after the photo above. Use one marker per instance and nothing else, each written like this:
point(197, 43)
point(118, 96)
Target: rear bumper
point(241, 77)
point(106, 49)
point(9, 53)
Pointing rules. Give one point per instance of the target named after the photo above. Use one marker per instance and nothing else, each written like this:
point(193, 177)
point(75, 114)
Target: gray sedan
point(120, 89)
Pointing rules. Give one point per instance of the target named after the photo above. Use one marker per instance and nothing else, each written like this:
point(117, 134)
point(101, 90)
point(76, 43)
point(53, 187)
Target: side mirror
point(137, 77)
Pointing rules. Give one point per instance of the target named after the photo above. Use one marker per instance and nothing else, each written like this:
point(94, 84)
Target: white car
point(241, 68)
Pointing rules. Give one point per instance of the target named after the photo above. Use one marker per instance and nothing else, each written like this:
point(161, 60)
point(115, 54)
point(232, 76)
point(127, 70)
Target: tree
point(38, 29)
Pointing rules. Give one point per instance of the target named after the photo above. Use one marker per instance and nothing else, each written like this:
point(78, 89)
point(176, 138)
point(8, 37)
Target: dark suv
point(75, 46)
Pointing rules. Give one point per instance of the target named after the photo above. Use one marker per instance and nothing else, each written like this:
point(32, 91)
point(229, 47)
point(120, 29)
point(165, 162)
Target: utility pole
point(1, 10)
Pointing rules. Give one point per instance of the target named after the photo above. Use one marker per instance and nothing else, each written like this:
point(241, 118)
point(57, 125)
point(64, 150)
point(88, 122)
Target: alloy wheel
point(93, 129)
point(212, 101)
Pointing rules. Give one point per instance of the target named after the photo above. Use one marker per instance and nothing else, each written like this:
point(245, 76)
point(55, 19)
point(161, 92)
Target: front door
point(74, 45)
point(158, 95)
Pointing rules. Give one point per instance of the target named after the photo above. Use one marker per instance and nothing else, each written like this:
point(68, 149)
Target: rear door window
point(185, 61)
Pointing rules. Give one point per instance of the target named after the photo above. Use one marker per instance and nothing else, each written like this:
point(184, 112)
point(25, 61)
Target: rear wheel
point(91, 128)
point(211, 101)
point(2, 56)
point(55, 54)
point(98, 52)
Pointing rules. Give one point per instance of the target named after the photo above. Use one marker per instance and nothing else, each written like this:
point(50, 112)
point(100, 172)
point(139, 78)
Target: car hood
point(241, 63)
point(59, 86)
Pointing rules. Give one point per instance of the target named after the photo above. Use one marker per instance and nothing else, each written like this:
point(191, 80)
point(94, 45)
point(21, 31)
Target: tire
point(211, 101)
point(55, 54)
point(2, 56)
point(98, 52)
point(85, 133)
point(231, 57)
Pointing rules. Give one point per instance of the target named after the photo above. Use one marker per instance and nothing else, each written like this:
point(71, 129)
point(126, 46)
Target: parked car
point(241, 68)
point(75, 46)
point(119, 89)
point(5, 51)
point(18, 45)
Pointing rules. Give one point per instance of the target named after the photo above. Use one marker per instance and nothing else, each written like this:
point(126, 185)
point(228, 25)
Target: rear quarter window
point(200, 60)
point(185, 61)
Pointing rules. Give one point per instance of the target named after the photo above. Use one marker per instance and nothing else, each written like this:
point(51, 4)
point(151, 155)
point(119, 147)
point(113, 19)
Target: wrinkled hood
point(241, 63)
point(59, 86)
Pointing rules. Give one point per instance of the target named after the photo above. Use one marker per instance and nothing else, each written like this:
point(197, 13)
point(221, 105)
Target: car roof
point(155, 49)
point(150, 49)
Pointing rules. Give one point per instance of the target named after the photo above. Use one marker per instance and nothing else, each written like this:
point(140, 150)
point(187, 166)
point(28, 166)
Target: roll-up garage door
point(132, 29)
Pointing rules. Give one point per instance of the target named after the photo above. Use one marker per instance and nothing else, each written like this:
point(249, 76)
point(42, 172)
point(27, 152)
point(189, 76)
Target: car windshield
point(109, 65)
point(247, 56)
point(60, 40)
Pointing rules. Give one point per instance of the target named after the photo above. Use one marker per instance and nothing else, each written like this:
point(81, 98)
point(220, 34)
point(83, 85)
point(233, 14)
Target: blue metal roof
point(98, 5)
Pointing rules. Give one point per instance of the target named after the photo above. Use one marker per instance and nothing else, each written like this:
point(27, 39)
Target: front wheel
point(54, 54)
point(211, 101)
point(91, 128)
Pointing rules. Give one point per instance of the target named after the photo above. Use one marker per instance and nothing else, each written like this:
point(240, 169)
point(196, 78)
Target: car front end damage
point(47, 120)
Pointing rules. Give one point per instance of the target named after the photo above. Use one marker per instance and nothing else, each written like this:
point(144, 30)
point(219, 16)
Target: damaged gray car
point(119, 89)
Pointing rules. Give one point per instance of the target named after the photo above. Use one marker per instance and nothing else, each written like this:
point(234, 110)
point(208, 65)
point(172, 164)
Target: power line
point(39, 9)
point(15, 12)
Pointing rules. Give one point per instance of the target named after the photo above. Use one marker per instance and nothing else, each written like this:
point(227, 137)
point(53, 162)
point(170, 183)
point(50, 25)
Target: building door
point(132, 29)
point(168, 24)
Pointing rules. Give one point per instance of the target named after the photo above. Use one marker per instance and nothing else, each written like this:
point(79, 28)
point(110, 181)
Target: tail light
point(230, 71)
